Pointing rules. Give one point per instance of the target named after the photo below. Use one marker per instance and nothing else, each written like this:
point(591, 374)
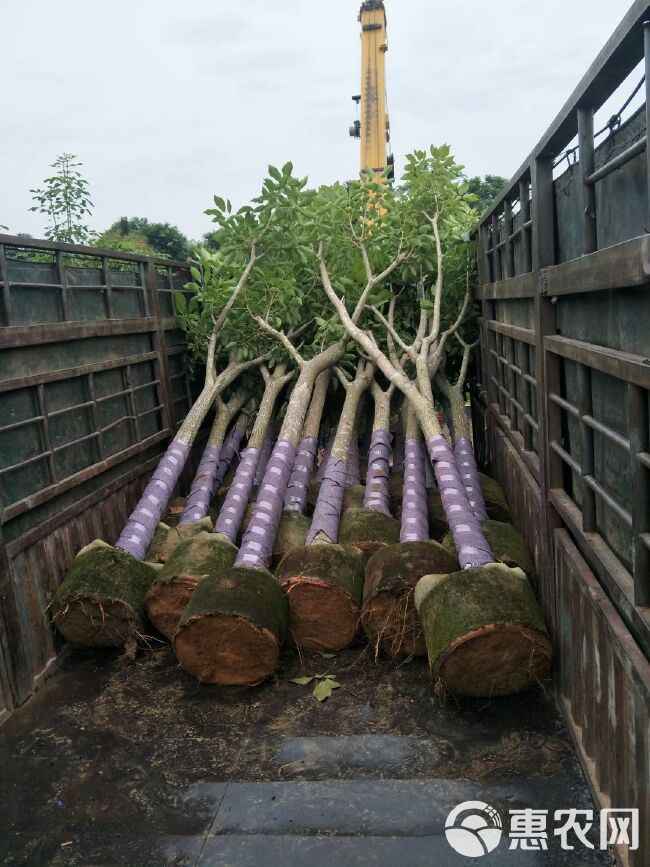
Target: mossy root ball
point(101, 601)
point(198, 557)
point(484, 631)
point(292, 532)
point(368, 530)
point(167, 538)
point(389, 619)
point(507, 544)
point(496, 504)
point(324, 586)
point(233, 628)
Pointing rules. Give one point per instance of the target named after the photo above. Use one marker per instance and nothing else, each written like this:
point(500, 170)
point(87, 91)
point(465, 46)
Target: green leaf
point(324, 687)
point(322, 690)
point(219, 202)
point(180, 302)
point(327, 655)
point(301, 680)
point(275, 174)
point(287, 168)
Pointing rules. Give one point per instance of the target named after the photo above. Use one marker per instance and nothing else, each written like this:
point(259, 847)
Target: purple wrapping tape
point(414, 525)
point(229, 454)
point(398, 451)
point(257, 545)
point(327, 512)
point(197, 502)
point(232, 512)
point(353, 472)
point(298, 488)
point(466, 463)
point(139, 530)
point(377, 495)
point(265, 454)
point(471, 544)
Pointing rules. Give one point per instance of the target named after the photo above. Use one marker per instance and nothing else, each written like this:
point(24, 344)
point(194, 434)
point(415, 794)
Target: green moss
point(204, 554)
point(252, 594)
point(337, 564)
point(353, 497)
point(399, 567)
point(112, 584)
point(292, 532)
point(507, 544)
point(106, 573)
point(368, 525)
point(166, 539)
point(471, 599)
point(496, 504)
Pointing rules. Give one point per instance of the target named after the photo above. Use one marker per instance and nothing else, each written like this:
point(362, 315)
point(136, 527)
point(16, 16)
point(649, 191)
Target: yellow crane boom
point(373, 127)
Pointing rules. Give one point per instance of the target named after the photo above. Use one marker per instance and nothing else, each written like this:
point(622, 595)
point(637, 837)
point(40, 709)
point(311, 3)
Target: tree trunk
point(197, 502)
point(298, 488)
point(136, 536)
point(371, 527)
point(236, 621)
point(324, 581)
point(352, 467)
point(463, 447)
point(232, 511)
point(99, 587)
point(265, 454)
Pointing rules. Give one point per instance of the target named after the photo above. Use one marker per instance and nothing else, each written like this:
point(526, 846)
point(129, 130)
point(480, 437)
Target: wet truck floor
point(117, 762)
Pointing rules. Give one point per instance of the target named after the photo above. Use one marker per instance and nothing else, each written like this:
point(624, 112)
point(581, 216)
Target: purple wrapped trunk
point(353, 474)
point(257, 545)
point(298, 489)
point(327, 512)
point(376, 495)
point(139, 530)
point(466, 462)
point(197, 502)
point(398, 451)
point(414, 526)
point(229, 453)
point(265, 454)
point(471, 545)
point(234, 506)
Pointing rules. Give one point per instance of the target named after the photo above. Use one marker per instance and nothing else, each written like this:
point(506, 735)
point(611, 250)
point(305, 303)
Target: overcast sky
point(168, 102)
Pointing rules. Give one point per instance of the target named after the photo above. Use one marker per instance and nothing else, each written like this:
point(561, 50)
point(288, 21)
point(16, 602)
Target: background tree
point(140, 235)
point(64, 199)
point(486, 189)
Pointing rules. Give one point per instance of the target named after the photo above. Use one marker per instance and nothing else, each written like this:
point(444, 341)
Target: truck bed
point(132, 762)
